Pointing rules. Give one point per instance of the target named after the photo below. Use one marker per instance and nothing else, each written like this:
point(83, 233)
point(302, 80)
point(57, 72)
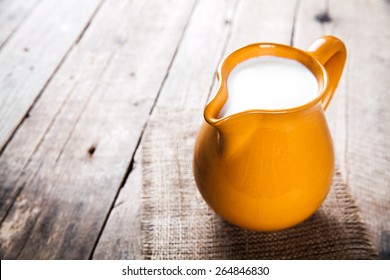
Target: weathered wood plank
point(34, 52)
point(122, 238)
point(188, 83)
point(358, 115)
point(83, 130)
point(12, 14)
point(25, 69)
point(263, 21)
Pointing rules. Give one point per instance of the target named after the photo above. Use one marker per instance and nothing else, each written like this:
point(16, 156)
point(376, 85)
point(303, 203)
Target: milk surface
point(268, 82)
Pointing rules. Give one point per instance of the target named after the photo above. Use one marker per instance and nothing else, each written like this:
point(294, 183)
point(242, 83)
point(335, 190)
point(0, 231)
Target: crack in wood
point(17, 199)
point(36, 148)
point(86, 27)
point(296, 10)
point(107, 64)
point(346, 112)
point(384, 249)
point(19, 191)
point(172, 60)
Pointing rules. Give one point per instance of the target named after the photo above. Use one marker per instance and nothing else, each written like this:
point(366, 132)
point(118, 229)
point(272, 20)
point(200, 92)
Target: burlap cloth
point(178, 224)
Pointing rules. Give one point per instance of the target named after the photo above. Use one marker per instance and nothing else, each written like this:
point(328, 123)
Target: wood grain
point(98, 101)
point(12, 15)
point(263, 21)
point(36, 49)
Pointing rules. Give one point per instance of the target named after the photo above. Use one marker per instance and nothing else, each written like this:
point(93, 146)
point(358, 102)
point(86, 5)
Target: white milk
point(268, 82)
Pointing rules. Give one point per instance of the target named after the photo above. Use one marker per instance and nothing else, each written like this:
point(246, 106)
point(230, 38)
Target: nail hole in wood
point(91, 150)
point(323, 17)
point(120, 40)
point(25, 49)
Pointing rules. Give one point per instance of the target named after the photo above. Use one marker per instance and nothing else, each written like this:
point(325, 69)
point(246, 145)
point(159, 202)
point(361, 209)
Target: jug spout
point(234, 132)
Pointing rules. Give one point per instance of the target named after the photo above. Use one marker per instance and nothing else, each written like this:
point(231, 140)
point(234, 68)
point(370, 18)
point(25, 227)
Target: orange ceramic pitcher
point(270, 169)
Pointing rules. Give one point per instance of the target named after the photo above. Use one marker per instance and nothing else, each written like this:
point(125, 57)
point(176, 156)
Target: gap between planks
point(296, 9)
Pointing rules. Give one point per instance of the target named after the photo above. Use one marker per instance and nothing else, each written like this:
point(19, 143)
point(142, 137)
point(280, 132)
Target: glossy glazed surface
point(270, 169)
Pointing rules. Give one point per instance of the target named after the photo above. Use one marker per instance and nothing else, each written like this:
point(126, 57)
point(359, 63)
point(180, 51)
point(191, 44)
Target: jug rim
point(231, 60)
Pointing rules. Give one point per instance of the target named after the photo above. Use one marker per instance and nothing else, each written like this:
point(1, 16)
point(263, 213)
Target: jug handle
point(331, 53)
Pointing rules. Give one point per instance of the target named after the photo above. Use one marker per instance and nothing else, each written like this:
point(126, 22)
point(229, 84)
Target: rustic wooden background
point(79, 80)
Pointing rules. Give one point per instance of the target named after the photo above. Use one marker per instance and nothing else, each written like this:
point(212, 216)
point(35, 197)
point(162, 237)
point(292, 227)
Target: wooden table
point(79, 80)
